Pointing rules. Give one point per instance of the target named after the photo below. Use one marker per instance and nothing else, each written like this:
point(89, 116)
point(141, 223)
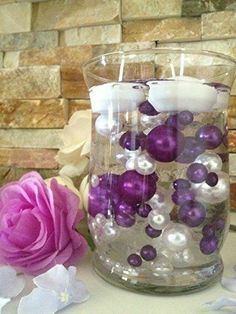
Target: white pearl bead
point(150, 121)
point(162, 266)
point(94, 180)
point(158, 220)
point(182, 259)
point(106, 125)
point(211, 160)
point(132, 153)
point(110, 231)
point(100, 220)
point(176, 237)
point(145, 165)
point(217, 193)
point(131, 163)
point(161, 200)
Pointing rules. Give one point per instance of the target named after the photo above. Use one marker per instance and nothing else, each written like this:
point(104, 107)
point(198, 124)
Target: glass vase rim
point(161, 50)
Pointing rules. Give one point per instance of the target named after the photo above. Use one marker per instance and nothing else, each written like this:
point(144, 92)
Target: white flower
point(220, 303)
point(10, 285)
point(84, 190)
point(229, 283)
point(76, 136)
point(56, 289)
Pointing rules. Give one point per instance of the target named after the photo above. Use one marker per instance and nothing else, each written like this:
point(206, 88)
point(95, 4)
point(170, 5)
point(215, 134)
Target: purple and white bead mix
point(158, 207)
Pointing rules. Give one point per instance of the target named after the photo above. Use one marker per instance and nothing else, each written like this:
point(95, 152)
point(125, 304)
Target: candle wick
point(121, 72)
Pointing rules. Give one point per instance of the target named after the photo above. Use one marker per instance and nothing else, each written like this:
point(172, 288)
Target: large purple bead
point(197, 173)
point(181, 196)
point(192, 213)
point(192, 149)
point(98, 201)
point(164, 143)
point(210, 136)
point(132, 140)
point(123, 208)
point(124, 220)
point(208, 245)
point(135, 188)
point(148, 109)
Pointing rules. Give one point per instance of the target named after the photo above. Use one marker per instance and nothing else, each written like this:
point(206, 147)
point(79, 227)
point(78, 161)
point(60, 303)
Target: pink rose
point(37, 225)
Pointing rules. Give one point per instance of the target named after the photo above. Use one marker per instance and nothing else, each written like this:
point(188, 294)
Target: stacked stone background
point(44, 43)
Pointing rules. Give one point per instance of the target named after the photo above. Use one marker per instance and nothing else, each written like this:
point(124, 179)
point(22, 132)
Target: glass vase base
point(179, 281)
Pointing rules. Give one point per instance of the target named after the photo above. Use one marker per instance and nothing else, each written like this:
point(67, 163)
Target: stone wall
point(43, 44)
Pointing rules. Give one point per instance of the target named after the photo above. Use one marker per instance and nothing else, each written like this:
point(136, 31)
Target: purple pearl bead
point(185, 117)
point(132, 140)
point(181, 196)
point(124, 220)
point(134, 260)
point(208, 230)
point(208, 245)
point(219, 224)
point(148, 253)
point(148, 109)
point(109, 181)
point(181, 184)
point(173, 121)
point(197, 173)
point(135, 188)
point(164, 143)
point(212, 179)
point(151, 232)
point(155, 176)
point(192, 213)
point(98, 201)
point(123, 208)
point(192, 149)
point(143, 210)
point(210, 136)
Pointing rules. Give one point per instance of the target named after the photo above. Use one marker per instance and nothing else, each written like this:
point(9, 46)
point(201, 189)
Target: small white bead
point(211, 160)
point(158, 220)
point(176, 237)
point(106, 125)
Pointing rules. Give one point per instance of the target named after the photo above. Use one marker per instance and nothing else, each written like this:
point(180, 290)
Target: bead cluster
point(118, 202)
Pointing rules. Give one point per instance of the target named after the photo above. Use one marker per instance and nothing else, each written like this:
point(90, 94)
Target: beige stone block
point(62, 14)
point(78, 104)
point(43, 114)
point(28, 158)
point(219, 25)
point(30, 138)
point(1, 59)
point(166, 30)
point(11, 59)
point(30, 82)
point(141, 9)
point(232, 164)
point(92, 35)
point(60, 56)
point(15, 18)
point(28, 40)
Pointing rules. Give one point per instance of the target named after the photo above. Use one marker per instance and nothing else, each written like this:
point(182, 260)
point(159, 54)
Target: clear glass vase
point(159, 184)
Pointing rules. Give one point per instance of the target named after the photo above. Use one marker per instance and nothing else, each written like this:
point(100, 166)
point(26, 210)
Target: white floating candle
point(182, 93)
point(117, 97)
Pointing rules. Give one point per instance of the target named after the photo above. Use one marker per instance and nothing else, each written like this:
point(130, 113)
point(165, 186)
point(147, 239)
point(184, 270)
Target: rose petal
point(220, 303)
point(229, 283)
point(38, 301)
point(3, 302)
point(10, 284)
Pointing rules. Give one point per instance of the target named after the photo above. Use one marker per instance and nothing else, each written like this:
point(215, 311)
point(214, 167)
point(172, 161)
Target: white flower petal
point(73, 170)
point(229, 283)
point(220, 303)
point(39, 301)
point(77, 288)
point(3, 302)
point(10, 284)
point(56, 279)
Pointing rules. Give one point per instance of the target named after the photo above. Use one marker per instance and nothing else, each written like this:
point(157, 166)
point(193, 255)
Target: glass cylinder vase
point(159, 183)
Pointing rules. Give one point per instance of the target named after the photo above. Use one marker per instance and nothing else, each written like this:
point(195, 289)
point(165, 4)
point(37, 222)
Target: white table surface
point(107, 299)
